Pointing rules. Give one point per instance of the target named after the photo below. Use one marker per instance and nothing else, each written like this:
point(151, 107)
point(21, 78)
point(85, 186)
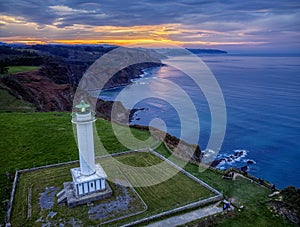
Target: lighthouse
point(84, 119)
point(89, 180)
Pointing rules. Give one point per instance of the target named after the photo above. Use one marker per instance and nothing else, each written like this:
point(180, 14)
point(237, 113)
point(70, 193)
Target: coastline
point(136, 77)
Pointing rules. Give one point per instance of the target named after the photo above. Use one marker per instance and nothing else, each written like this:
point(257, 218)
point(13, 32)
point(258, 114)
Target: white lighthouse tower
point(84, 119)
point(89, 180)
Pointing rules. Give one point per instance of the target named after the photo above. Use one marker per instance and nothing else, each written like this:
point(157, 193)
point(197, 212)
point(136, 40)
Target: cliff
point(47, 95)
point(52, 87)
point(125, 76)
point(38, 90)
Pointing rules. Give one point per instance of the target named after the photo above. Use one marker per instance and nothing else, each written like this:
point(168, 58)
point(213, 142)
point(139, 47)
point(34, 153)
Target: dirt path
point(188, 217)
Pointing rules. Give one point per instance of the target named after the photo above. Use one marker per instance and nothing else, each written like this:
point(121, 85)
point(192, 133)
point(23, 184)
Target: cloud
point(146, 12)
point(65, 10)
point(181, 21)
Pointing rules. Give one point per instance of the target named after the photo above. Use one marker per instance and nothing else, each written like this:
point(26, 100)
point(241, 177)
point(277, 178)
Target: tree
point(3, 67)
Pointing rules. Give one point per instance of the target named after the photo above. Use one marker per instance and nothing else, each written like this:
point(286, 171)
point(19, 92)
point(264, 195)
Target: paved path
point(188, 217)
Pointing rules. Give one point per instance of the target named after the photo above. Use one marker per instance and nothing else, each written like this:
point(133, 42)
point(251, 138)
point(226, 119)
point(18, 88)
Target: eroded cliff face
point(45, 94)
point(52, 87)
point(125, 76)
point(104, 110)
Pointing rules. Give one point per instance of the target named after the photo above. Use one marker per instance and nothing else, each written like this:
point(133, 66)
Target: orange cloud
point(125, 42)
point(120, 42)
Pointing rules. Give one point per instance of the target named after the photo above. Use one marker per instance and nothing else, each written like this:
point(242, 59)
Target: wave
point(235, 159)
point(145, 74)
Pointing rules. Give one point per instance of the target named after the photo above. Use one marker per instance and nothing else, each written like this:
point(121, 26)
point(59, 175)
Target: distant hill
point(181, 51)
point(207, 51)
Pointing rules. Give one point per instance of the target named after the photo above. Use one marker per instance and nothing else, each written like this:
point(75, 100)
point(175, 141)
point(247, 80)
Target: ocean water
point(262, 97)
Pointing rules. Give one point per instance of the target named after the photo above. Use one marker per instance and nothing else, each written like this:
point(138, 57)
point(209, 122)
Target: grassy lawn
point(177, 191)
point(107, 138)
point(19, 69)
point(36, 139)
point(10, 103)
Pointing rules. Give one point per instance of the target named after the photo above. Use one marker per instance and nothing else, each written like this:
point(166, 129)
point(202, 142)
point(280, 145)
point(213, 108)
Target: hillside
point(46, 76)
point(42, 92)
point(66, 64)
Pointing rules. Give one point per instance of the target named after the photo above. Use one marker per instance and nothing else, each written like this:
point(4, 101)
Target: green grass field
point(19, 69)
point(175, 192)
point(36, 139)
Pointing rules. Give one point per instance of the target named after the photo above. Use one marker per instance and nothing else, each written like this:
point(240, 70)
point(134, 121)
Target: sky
point(266, 26)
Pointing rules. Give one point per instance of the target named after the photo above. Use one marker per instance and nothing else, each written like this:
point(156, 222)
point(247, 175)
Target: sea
point(262, 100)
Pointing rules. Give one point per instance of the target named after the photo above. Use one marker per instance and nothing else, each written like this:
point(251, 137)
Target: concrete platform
point(73, 201)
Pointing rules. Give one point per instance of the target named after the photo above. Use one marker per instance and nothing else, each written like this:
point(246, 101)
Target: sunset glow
point(117, 35)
